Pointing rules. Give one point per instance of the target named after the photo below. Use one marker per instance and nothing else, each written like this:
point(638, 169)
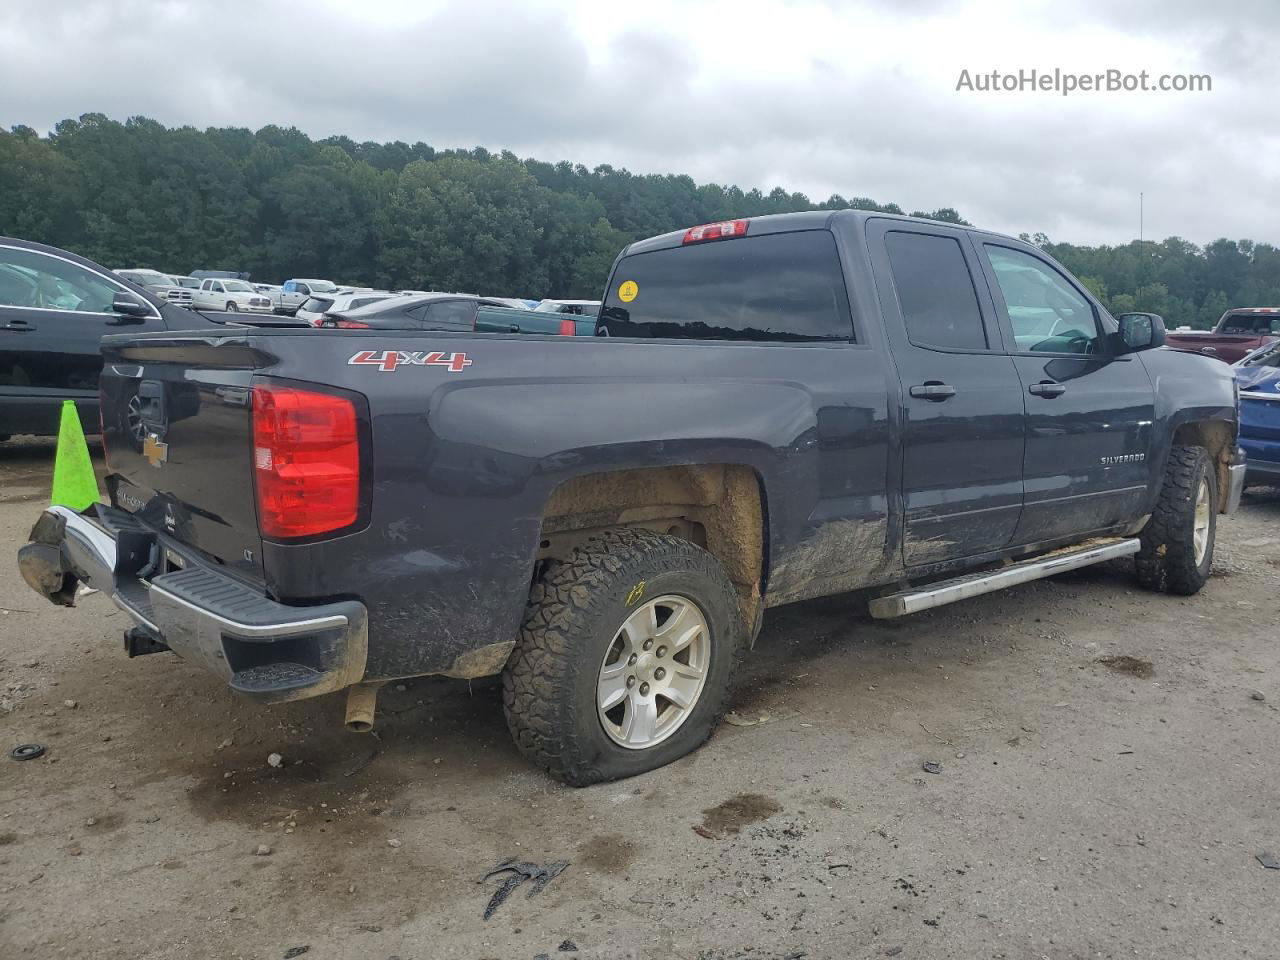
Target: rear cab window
point(935, 291)
point(1251, 325)
point(777, 287)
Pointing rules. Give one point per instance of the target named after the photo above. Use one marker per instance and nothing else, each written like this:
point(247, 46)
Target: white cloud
point(822, 97)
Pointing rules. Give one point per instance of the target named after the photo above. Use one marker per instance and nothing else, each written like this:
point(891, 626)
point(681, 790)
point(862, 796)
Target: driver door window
point(35, 281)
point(1047, 314)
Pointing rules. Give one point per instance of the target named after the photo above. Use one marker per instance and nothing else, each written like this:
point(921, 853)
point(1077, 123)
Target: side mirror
point(128, 305)
point(1141, 331)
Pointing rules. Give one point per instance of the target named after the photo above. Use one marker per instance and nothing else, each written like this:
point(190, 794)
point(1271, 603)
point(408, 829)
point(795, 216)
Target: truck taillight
point(306, 461)
point(722, 230)
point(568, 328)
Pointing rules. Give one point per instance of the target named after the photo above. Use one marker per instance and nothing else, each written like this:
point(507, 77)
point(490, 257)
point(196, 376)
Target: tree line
point(278, 204)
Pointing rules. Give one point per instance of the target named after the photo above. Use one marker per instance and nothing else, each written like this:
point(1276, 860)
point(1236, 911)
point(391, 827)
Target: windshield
point(1268, 356)
point(237, 286)
point(191, 283)
point(321, 286)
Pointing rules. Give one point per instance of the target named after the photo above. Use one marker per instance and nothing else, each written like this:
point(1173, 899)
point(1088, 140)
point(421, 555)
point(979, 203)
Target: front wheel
point(231, 306)
point(1177, 542)
point(624, 658)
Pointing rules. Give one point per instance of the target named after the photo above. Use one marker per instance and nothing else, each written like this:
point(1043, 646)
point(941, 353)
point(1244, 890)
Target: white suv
point(317, 305)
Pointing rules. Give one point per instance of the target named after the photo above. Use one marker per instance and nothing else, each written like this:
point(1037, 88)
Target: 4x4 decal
point(388, 360)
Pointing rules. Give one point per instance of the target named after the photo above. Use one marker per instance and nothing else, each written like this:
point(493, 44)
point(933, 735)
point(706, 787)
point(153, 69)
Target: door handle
point(937, 392)
point(19, 326)
point(1046, 388)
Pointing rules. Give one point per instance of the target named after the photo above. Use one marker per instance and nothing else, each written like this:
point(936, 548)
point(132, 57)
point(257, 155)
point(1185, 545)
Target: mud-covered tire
point(576, 609)
point(1169, 560)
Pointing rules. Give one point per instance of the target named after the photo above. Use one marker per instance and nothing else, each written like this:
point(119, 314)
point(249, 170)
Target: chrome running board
point(974, 585)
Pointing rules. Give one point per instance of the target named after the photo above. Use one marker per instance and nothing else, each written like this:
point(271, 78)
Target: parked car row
point(56, 306)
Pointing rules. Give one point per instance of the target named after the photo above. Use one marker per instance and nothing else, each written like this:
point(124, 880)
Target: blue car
point(1258, 377)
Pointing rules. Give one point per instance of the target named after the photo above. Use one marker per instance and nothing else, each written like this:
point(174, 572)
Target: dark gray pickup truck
point(771, 410)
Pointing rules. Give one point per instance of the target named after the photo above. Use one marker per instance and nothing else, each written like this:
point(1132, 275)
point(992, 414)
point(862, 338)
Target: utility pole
point(1140, 216)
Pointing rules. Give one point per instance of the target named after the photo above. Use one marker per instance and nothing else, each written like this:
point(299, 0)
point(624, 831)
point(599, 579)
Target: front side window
point(40, 282)
point(773, 288)
point(1047, 314)
point(935, 291)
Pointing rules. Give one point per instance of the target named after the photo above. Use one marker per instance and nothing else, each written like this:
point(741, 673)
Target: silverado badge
point(155, 450)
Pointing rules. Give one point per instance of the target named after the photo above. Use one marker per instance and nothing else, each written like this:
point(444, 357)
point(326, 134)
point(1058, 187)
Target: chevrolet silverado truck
point(1239, 332)
point(772, 409)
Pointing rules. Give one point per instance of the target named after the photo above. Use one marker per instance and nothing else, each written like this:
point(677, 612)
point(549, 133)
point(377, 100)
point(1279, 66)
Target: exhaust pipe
point(362, 699)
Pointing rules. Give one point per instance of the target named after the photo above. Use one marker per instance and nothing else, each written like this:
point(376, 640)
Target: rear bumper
point(261, 648)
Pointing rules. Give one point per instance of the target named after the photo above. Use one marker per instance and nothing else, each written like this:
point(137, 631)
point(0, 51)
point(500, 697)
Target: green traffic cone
point(74, 484)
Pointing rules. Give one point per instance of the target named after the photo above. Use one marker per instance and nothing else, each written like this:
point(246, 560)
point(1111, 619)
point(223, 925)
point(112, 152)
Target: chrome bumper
point(264, 649)
point(1235, 482)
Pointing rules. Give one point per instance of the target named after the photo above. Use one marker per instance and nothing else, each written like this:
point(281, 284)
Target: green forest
point(278, 204)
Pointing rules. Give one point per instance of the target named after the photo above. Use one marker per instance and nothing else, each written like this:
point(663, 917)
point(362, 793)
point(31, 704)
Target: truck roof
point(803, 220)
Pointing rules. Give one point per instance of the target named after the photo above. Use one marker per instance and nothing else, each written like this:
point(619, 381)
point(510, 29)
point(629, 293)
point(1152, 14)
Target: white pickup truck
point(233, 296)
point(294, 293)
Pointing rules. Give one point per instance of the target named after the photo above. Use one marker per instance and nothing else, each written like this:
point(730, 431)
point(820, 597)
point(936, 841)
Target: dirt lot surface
point(1107, 775)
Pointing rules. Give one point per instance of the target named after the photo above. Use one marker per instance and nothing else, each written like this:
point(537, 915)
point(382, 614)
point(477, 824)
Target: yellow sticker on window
point(628, 291)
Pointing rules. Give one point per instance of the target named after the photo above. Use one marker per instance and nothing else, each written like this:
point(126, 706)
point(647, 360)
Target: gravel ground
point(1106, 780)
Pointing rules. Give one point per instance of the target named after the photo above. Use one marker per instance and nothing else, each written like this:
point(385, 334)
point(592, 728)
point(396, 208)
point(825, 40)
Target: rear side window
point(777, 287)
point(450, 314)
point(935, 291)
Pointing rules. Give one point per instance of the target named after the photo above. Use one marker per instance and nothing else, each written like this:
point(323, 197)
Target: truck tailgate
point(176, 424)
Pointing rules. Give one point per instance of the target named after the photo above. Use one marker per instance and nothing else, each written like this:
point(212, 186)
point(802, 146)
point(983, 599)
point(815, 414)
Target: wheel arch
point(1216, 436)
point(722, 507)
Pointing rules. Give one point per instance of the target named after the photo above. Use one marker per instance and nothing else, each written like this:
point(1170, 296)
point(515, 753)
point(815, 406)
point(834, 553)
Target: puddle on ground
point(1131, 666)
point(728, 818)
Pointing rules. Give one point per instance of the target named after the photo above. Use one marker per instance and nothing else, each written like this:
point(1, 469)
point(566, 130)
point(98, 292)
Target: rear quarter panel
point(465, 461)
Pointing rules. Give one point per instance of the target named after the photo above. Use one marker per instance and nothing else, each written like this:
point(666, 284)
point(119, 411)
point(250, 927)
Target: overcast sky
point(856, 98)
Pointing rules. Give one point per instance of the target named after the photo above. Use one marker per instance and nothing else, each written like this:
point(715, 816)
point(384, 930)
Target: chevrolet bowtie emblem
point(155, 450)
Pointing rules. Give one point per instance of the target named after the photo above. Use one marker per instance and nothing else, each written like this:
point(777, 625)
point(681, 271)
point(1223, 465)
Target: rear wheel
point(624, 658)
point(1178, 540)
